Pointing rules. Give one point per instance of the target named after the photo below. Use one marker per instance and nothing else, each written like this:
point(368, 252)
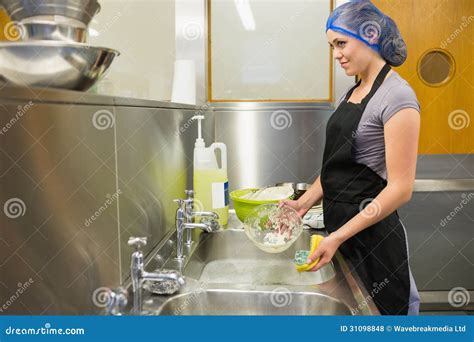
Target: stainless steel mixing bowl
point(54, 64)
point(299, 188)
point(47, 30)
point(81, 10)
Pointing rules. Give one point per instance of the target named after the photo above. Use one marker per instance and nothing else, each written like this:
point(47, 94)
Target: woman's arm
point(401, 148)
point(307, 200)
point(313, 195)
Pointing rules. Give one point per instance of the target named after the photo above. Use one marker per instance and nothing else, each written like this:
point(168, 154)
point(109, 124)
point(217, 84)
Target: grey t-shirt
point(393, 95)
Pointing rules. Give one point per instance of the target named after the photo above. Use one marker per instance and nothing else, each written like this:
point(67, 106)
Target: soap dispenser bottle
point(211, 186)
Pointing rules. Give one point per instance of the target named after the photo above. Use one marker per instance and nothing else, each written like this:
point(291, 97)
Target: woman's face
point(353, 55)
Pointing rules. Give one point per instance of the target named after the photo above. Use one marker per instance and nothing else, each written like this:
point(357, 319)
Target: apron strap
point(378, 82)
point(375, 86)
point(349, 93)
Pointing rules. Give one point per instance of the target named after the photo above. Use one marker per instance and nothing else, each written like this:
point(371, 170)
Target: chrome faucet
point(139, 275)
point(183, 217)
point(211, 216)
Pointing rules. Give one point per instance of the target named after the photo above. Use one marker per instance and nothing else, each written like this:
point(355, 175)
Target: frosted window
point(269, 50)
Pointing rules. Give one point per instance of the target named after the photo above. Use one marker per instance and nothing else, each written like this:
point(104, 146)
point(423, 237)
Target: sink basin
point(229, 257)
point(226, 274)
point(280, 301)
point(268, 272)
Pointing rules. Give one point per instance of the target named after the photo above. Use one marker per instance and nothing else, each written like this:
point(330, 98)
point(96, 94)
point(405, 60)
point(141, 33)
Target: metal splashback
point(272, 145)
point(79, 174)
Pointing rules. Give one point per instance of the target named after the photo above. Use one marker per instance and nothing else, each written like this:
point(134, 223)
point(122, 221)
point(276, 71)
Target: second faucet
point(184, 217)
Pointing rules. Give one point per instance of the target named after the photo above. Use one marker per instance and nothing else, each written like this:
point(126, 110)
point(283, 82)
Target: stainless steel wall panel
point(271, 146)
point(445, 166)
point(55, 165)
point(85, 177)
point(441, 249)
point(152, 172)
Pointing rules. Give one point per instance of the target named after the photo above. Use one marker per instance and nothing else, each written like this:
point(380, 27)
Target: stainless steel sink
point(235, 302)
point(229, 257)
point(226, 274)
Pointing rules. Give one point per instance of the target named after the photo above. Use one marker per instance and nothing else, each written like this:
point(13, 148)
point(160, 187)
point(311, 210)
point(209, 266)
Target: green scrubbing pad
point(302, 255)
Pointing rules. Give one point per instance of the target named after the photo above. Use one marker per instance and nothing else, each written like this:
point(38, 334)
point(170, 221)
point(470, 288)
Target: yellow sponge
point(302, 255)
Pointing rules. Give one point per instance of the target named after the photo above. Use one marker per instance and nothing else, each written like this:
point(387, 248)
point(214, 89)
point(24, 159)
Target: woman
point(369, 159)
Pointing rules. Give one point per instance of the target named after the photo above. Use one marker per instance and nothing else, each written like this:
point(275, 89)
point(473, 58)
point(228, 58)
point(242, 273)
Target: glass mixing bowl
point(273, 229)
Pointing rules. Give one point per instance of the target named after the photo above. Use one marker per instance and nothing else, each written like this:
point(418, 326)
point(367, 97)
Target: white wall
point(342, 82)
point(144, 33)
point(191, 36)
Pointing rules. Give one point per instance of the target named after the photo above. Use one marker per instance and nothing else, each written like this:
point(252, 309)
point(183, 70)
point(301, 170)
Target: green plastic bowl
point(243, 206)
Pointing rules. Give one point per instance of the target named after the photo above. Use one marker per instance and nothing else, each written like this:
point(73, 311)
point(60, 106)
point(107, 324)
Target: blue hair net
point(360, 19)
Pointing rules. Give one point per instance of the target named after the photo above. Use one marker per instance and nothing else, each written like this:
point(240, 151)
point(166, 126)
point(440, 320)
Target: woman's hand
point(295, 205)
point(325, 251)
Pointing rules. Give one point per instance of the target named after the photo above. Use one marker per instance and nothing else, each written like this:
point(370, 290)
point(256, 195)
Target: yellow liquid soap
point(211, 192)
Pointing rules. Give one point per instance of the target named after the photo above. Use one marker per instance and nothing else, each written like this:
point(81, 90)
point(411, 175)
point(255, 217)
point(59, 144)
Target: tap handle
point(189, 201)
point(137, 242)
point(189, 194)
point(183, 202)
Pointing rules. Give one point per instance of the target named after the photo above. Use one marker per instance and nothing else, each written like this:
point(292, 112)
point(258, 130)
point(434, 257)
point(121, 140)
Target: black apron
point(378, 253)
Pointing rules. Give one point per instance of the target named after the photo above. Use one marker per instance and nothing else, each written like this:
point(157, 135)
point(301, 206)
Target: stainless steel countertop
point(49, 95)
